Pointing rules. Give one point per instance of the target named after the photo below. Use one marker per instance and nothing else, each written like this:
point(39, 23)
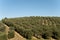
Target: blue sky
point(18, 8)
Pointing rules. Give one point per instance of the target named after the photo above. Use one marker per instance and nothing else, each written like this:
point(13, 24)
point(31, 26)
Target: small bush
point(11, 34)
point(28, 34)
point(2, 28)
point(56, 33)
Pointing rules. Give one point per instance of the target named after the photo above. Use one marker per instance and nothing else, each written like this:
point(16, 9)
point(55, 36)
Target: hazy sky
point(17, 8)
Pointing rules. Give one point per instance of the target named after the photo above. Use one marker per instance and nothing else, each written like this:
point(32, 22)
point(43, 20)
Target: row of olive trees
point(27, 33)
point(27, 25)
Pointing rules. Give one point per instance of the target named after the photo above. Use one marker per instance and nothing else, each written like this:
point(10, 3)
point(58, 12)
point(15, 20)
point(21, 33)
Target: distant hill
point(39, 27)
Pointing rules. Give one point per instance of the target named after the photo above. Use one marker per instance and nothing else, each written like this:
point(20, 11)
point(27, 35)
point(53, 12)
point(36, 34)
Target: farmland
point(39, 27)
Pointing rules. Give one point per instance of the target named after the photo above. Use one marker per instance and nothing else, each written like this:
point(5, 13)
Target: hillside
point(39, 27)
point(4, 29)
point(17, 35)
point(3, 35)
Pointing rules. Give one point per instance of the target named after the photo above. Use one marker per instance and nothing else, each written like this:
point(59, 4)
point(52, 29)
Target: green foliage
point(11, 33)
point(56, 33)
point(40, 26)
point(27, 33)
point(2, 28)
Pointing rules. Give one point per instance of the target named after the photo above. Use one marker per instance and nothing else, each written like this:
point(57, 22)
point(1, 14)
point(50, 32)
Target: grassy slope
point(17, 35)
point(3, 35)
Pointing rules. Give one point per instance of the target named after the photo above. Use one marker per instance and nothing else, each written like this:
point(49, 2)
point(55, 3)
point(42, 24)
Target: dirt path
point(17, 35)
